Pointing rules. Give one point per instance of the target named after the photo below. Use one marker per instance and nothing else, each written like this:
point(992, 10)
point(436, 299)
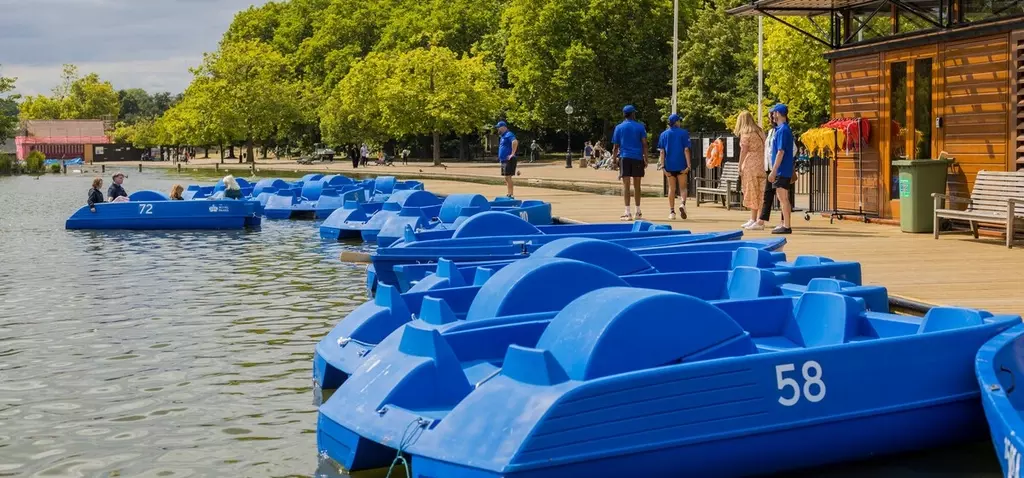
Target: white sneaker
point(672, 216)
point(755, 227)
point(748, 223)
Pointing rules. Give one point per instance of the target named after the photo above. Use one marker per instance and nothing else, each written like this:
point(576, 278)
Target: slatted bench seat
point(997, 199)
point(727, 186)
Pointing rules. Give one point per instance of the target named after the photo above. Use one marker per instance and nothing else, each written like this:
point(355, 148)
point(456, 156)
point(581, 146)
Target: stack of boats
point(637, 350)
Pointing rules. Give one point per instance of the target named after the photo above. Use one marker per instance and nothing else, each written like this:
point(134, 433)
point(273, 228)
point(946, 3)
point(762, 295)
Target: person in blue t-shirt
point(674, 158)
point(781, 175)
point(507, 147)
point(630, 140)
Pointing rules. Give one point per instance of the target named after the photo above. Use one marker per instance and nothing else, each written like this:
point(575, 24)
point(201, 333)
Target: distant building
point(60, 139)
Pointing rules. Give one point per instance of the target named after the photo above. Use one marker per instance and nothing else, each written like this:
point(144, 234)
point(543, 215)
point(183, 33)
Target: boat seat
point(947, 318)
point(823, 318)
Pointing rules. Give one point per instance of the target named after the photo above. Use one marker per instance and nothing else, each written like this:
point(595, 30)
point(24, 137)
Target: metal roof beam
point(827, 43)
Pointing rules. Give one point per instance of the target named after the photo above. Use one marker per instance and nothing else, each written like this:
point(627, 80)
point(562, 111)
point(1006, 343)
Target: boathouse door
point(908, 130)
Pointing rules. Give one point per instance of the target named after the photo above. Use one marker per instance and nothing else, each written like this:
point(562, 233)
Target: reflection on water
point(189, 353)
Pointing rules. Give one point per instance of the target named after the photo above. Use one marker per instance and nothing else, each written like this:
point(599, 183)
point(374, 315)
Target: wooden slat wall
point(976, 107)
point(1016, 143)
point(856, 92)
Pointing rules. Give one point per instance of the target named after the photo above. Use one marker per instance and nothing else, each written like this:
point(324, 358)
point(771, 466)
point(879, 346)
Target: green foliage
point(796, 72)
point(421, 91)
point(8, 110)
point(8, 165)
point(717, 75)
point(137, 104)
point(55, 168)
point(75, 98)
point(595, 56)
point(34, 162)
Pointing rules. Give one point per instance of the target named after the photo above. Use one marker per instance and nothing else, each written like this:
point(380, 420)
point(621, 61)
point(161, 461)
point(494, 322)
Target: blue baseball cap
point(501, 124)
point(780, 108)
point(628, 109)
point(673, 119)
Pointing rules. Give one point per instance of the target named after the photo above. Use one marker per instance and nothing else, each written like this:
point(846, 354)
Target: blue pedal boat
point(358, 219)
point(458, 208)
point(525, 287)
point(159, 213)
point(701, 256)
point(496, 248)
point(999, 366)
point(317, 199)
point(634, 382)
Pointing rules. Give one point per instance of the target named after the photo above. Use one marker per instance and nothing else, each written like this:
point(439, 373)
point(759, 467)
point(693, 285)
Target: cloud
point(131, 43)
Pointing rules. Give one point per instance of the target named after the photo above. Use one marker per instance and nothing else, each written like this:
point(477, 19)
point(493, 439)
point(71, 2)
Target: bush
point(34, 163)
point(7, 165)
point(55, 168)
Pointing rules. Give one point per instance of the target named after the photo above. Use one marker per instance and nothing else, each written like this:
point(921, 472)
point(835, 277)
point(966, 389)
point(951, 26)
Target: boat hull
point(998, 368)
point(167, 215)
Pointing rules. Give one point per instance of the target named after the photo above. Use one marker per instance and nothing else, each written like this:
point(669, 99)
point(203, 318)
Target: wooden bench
point(997, 198)
point(726, 186)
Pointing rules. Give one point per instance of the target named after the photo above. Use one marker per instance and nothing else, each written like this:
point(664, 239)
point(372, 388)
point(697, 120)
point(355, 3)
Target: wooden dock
point(954, 270)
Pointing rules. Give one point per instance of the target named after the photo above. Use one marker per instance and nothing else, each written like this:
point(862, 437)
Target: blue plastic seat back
point(621, 329)
point(384, 185)
point(751, 257)
point(823, 318)
point(948, 318)
point(751, 282)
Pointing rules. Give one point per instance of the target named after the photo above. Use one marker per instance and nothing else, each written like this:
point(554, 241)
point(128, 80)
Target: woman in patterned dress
point(752, 175)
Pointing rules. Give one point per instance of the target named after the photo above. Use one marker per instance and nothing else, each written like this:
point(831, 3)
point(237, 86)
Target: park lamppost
point(568, 135)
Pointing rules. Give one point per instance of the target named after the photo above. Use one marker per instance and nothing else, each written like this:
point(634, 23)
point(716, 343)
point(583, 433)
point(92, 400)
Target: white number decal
point(145, 209)
point(811, 371)
point(1012, 457)
point(524, 215)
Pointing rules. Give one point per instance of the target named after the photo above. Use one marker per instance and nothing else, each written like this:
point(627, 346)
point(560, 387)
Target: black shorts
point(783, 182)
point(675, 173)
point(508, 168)
point(631, 168)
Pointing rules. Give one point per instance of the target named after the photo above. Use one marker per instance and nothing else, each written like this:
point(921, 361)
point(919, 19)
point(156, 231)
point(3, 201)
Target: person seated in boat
point(95, 195)
point(116, 192)
point(231, 188)
point(176, 192)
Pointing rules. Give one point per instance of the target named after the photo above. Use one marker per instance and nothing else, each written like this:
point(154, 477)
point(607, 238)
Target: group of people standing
point(767, 168)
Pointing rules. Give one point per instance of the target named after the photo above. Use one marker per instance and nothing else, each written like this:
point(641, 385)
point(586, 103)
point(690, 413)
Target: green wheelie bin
point(918, 179)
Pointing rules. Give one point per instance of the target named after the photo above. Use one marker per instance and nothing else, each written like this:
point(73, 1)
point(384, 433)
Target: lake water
point(188, 354)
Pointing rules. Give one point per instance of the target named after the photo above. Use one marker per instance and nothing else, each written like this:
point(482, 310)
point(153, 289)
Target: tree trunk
point(249, 150)
point(206, 152)
point(263, 151)
point(462, 147)
point(231, 151)
point(437, 148)
point(220, 152)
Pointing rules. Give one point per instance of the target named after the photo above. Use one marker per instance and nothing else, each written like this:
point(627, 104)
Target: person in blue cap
point(781, 174)
point(507, 147)
point(674, 158)
point(630, 140)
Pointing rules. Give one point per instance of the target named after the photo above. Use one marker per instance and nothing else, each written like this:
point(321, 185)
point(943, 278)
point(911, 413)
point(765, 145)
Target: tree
point(245, 91)
point(796, 72)
point(593, 55)
point(717, 74)
point(75, 98)
point(422, 91)
point(8, 110)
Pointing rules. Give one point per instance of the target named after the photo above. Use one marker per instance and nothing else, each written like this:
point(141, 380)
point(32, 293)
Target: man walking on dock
point(507, 146)
point(674, 158)
point(630, 140)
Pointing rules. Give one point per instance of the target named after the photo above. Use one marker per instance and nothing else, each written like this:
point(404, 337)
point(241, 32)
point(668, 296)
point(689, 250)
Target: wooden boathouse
point(929, 76)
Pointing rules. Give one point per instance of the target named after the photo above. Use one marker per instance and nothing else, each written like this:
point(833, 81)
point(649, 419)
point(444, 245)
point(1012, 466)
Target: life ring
point(713, 156)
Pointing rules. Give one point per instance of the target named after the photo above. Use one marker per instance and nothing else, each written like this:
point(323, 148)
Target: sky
point(147, 44)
